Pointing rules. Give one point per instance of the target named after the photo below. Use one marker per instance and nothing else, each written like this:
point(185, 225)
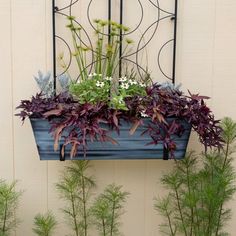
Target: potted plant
point(103, 114)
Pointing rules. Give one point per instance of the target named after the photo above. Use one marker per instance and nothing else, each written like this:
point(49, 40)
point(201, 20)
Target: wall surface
point(206, 63)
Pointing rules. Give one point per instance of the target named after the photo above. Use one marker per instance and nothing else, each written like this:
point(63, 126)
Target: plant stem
point(221, 206)
point(74, 215)
point(196, 214)
point(5, 217)
point(84, 207)
point(180, 211)
point(103, 227)
point(170, 225)
point(191, 208)
point(112, 218)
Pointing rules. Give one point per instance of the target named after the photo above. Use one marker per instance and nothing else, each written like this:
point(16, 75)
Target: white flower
point(123, 79)
point(108, 78)
point(94, 74)
point(124, 86)
point(90, 75)
point(133, 82)
point(100, 75)
point(100, 84)
point(142, 85)
point(143, 114)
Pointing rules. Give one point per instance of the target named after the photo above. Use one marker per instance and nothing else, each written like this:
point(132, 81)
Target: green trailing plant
point(44, 225)
point(108, 208)
point(75, 187)
point(9, 199)
point(199, 191)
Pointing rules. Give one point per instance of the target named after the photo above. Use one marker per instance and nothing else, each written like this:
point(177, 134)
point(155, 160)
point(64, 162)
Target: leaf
point(115, 119)
point(55, 112)
point(73, 150)
point(57, 135)
point(111, 140)
point(198, 97)
point(136, 124)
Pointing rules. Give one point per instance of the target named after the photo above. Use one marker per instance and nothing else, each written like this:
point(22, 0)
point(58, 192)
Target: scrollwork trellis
point(134, 56)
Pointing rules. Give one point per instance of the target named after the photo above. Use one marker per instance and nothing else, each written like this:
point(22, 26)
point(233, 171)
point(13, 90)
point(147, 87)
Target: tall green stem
point(103, 227)
point(74, 215)
point(180, 211)
point(221, 206)
point(170, 224)
point(112, 218)
point(191, 208)
point(5, 217)
point(84, 207)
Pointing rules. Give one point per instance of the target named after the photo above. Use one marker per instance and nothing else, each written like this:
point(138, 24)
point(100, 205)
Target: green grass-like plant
point(75, 187)
point(199, 191)
point(107, 210)
point(44, 225)
point(9, 199)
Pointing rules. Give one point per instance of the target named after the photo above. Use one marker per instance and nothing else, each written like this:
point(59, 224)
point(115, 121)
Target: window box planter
point(128, 147)
point(90, 109)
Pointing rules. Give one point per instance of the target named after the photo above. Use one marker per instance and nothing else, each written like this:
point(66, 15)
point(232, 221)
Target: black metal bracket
point(62, 158)
point(165, 154)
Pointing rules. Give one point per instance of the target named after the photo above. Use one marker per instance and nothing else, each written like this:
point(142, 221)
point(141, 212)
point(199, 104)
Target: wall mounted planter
point(129, 147)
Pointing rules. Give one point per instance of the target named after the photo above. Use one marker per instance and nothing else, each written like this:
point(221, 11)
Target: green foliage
point(75, 187)
point(92, 90)
point(98, 89)
point(44, 225)
point(108, 209)
point(200, 190)
point(106, 55)
point(9, 199)
point(103, 85)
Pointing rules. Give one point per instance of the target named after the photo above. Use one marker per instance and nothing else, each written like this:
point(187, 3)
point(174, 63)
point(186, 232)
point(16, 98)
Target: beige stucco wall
point(206, 64)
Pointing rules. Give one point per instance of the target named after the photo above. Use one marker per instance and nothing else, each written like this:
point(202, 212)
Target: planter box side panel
point(128, 147)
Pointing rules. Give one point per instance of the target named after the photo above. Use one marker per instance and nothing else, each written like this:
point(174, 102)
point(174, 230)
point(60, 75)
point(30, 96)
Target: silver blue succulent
point(45, 83)
point(64, 81)
point(170, 86)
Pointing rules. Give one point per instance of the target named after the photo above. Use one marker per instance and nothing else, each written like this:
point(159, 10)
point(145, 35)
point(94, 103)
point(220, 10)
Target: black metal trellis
point(168, 15)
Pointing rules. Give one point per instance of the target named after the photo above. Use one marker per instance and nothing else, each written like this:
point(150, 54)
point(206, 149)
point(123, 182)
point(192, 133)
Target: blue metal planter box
point(129, 146)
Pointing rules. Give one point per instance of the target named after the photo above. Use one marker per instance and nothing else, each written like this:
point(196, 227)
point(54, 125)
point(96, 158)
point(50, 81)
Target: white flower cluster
point(123, 79)
point(125, 83)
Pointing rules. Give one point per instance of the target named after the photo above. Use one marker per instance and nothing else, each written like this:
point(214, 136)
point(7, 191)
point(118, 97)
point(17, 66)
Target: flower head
point(100, 84)
point(143, 114)
point(108, 78)
point(124, 86)
point(133, 82)
point(123, 79)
